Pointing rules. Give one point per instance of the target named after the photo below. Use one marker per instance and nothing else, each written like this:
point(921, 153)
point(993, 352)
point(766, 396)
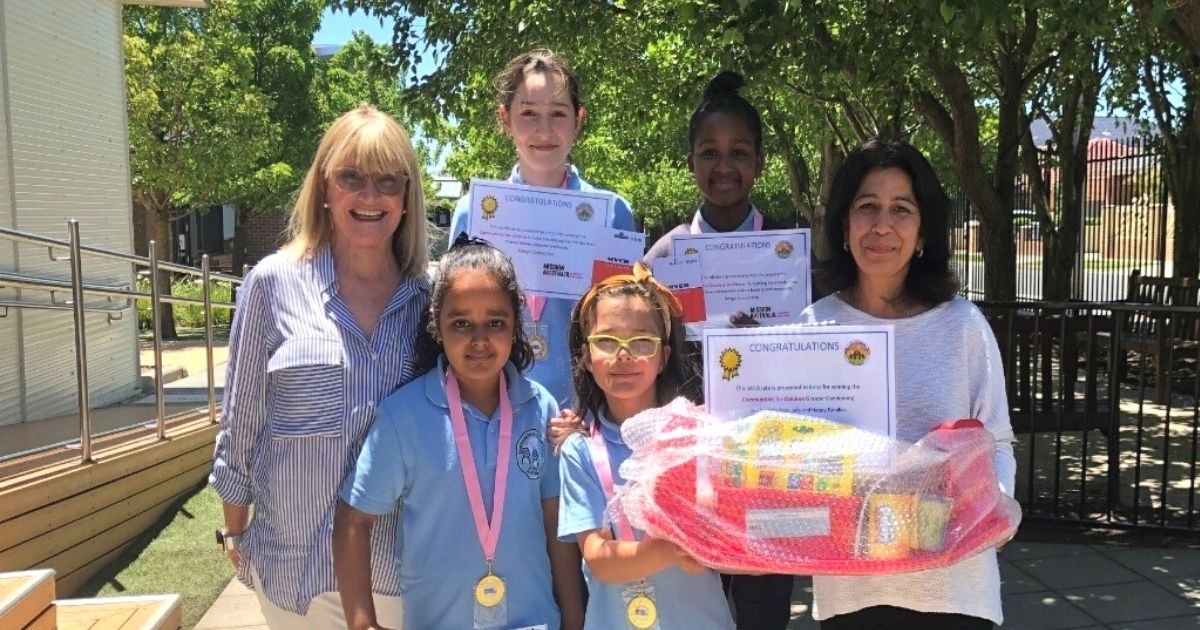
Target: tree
point(961, 79)
point(195, 122)
point(276, 37)
point(1166, 80)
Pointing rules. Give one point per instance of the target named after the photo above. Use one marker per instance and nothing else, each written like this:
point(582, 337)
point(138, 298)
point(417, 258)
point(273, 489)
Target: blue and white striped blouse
point(300, 393)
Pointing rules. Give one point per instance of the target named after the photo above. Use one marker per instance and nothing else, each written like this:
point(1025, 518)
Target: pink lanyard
point(757, 221)
point(488, 536)
point(600, 460)
point(537, 302)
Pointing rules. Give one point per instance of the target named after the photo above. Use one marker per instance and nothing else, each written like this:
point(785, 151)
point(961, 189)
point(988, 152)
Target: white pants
point(325, 611)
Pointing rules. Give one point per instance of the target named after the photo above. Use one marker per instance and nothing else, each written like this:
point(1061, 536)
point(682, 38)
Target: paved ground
point(1046, 586)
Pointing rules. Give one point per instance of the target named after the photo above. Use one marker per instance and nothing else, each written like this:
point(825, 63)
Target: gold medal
point(641, 612)
point(489, 590)
point(540, 346)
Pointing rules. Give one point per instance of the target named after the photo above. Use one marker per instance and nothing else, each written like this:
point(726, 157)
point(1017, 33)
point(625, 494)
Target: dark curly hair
point(930, 280)
point(721, 97)
point(468, 254)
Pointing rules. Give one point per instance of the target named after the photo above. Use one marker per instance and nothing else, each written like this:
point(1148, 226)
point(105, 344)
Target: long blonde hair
point(373, 142)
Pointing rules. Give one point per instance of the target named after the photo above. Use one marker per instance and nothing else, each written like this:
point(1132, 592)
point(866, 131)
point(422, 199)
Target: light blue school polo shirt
point(685, 602)
point(410, 457)
point(553, 372)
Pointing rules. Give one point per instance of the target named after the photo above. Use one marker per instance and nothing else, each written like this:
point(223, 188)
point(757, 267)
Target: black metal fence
point(1104, 401)
point(1126, 224)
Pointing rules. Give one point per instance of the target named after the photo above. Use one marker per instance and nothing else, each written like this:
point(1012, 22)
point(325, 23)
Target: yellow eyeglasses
point(644, 346)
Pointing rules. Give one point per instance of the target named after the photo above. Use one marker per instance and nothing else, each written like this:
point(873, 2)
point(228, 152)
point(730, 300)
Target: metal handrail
point(22, 281)
point(78, 290)
point(51, 244)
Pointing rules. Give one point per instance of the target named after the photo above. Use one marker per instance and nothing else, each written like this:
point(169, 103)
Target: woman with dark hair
point(887, 225)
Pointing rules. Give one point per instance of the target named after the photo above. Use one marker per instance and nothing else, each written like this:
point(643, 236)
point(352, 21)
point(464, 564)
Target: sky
point(336, 27)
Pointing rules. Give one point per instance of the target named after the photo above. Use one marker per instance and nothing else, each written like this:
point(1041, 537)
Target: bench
point(1041, 399)
point(1159, 336)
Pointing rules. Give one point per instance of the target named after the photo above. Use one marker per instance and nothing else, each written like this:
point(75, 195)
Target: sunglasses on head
point(352, 180)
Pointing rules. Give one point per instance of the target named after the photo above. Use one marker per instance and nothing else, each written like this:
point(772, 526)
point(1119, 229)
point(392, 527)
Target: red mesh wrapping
point(780, 493)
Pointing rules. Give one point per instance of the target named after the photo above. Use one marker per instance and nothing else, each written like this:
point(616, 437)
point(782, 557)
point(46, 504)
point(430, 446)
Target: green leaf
point(948, 11)
point(1161, 14)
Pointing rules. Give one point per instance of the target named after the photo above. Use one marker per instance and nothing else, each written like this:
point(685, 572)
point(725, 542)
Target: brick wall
point(264, 232)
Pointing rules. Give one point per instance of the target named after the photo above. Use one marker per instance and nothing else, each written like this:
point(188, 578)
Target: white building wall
point(11, 377)
point(68, 151)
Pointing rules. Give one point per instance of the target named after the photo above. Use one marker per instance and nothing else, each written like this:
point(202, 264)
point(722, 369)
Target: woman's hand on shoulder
point(562, 426)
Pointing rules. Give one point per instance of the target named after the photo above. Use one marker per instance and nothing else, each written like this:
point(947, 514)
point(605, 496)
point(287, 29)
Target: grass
point(220, 335)
point(1107, 264)
point(178, 555)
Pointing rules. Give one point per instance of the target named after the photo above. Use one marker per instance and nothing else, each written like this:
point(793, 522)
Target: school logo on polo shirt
point(531, 453)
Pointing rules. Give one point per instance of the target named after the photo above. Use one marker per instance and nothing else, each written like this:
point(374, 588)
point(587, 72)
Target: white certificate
point(682, 277)
point(615, 252)
point(765, 275)
point(549, 233)
point(840, 373)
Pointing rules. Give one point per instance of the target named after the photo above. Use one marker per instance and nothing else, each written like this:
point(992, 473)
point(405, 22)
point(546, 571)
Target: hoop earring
point(845, 246)
point(920, 252)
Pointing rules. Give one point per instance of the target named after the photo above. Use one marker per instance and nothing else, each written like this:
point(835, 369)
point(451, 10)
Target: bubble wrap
point(782, 493)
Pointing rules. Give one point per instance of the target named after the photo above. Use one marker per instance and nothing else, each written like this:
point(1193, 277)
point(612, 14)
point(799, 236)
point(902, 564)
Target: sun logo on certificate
point(691, 251)
point(489, 205)
point(584, 212)
point(784, 249)
point(857, 353)
point(730, 361)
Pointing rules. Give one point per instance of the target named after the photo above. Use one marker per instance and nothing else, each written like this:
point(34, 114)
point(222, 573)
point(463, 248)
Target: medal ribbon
point(489, 536)
point(757, 220)
point(538, 302)
point(600, 460)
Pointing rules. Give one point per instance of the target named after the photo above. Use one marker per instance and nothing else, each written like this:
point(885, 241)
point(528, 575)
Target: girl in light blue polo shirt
point(463, 449)
point(540, 107)
point(627, 350)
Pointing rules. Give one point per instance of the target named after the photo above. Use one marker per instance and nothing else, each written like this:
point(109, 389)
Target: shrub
point(187, 315)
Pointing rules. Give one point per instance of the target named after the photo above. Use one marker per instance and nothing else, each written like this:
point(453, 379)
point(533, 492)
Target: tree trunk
point(831, 160)
point(166, 315)
point(1071, 133)
point(1183, 183)
point(958, 128)
point(143, 216)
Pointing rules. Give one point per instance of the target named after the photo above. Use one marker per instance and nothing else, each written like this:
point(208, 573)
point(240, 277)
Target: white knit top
point(947, 368)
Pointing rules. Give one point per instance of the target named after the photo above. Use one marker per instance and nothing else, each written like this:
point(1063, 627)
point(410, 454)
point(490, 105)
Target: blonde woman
point(324, 330)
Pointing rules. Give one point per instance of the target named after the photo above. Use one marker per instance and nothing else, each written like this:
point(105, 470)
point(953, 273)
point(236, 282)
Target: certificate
point(616, 251)
point(840, 373)
point(549, 233)
point(682, 277)
point(765, 275)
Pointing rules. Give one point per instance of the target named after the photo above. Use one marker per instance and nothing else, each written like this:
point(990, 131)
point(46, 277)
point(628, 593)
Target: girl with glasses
point(626, 342)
